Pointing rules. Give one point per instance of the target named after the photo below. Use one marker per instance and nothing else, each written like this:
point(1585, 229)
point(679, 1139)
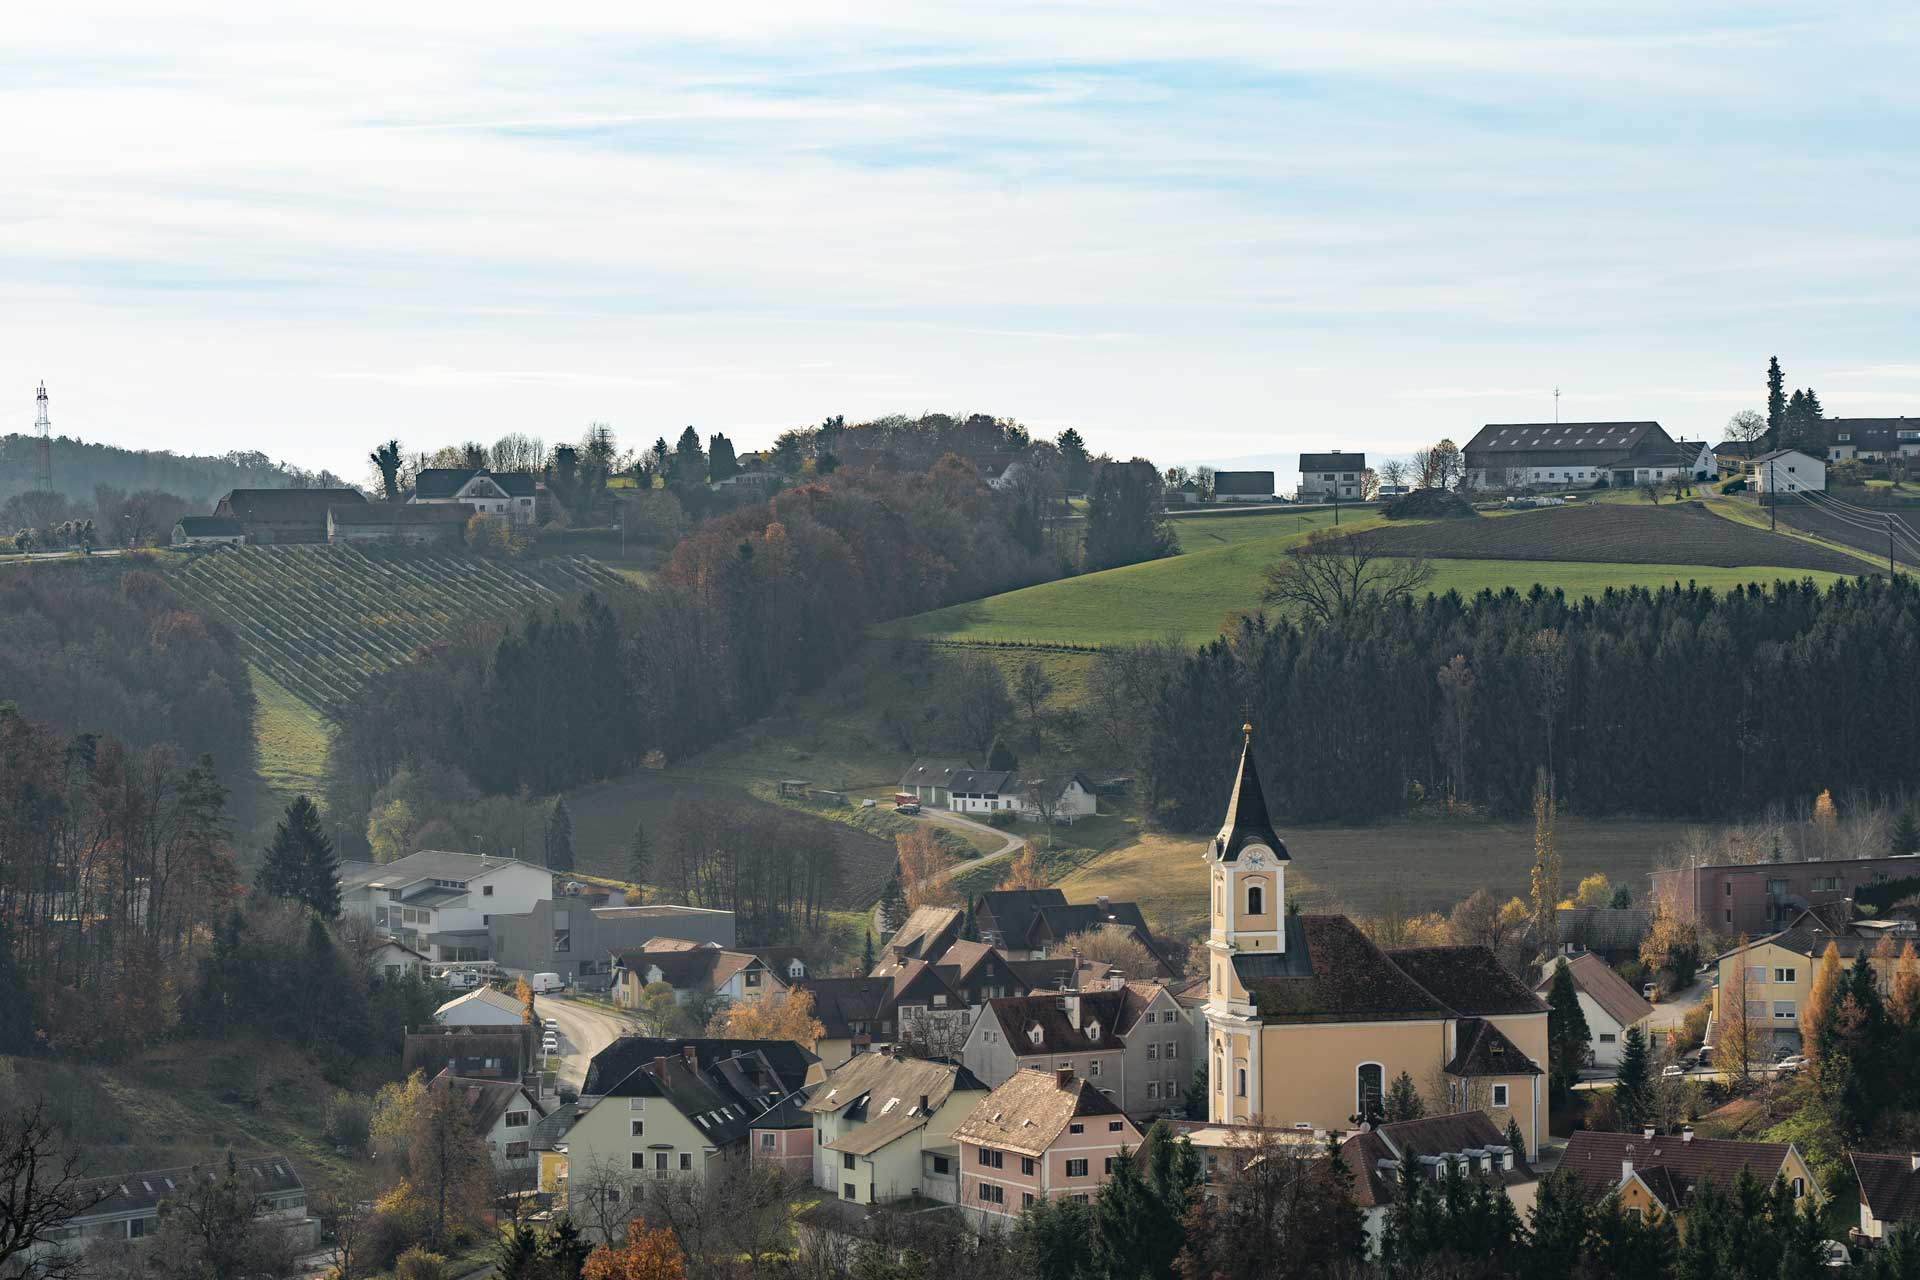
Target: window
point(1499, 1095)
point(516, 1151)
point(1783, 1009)
point(1786, 975)
point(1608, 1037)
point(766, 1142)
point(1369, 1087)
point(1026, 1165)
point(1113, 1126)
point(686, 1161)
point(847, 1192)
point(1153, 1052)
point(1256, 900)
point(639, 1161)
point(1239, 1082)
point(1076, 1168)
point(752, 978)
point(1173, 1050)
point(1076, 1127)
point(990, 1158)
point(1756, 973)
point(1727, 887)
point(1107, 1164)
point(1150, 1015)
point(516, 1119)
point(993, 1194)
point(636, 1128)
point(486, 891)
point(846, 1160)
point(1153, 1091)
point(942, 1165)
point(939, 1001)
point(1093, 1067)
point(1026, 1199)
point(1799, 1188)
point(1775, 888)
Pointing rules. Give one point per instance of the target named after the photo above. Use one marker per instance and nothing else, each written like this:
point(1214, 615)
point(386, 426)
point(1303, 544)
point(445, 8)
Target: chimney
point(1063, 1076)
point(1647, 1133)
point(660, 1070)
point(1686, 1134)
point(693, 1059)
point(1913, 1161)
point(925, 1109)
point(1105, 906)
point(1071, 1001)
point(1626, 1168)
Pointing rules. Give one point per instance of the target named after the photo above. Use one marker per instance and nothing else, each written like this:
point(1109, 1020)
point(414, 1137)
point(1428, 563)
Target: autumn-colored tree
point(1823, 1002)
point(1024, 871)
point(925, 870)
point(1737, 1038)
point(766, 1019)
point(1823, 810)
point(1903, 997)
point(1594, 891)
point(1546, 870)
point(647, 1255)
point(1672, 947)
point(524, 994)
point(1114, 945)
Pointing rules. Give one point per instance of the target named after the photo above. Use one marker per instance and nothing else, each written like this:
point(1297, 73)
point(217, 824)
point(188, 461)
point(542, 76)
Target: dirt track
point(1615, 534)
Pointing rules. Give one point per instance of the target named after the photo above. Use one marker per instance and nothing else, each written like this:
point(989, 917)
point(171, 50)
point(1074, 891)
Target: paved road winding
point(584, 1031)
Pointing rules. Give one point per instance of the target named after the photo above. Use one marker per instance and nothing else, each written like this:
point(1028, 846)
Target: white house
point(389, 959)
point(510, 495)
point(439, 903)
point(481, 1007)
point(693, 968)
point(883, 1128)
point(1611, 1006)
point(1062, 799)
point(503, 1117)
point(1696, 459)
point(1333, 477)
point(208, 531)
point(1468, 1141)
point(125, 1209)
point(1787, 471)
point(1889, 1191)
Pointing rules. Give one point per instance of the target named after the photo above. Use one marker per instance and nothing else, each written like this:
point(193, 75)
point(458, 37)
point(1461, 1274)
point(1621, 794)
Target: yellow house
point(1772, 978)
point(1309, 1023)
point(1655, 1173)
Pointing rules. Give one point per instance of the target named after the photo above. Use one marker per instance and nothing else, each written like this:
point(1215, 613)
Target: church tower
point(1247, 874)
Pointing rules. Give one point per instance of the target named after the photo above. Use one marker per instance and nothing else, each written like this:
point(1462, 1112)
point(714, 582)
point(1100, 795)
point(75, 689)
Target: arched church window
point(1240, 1082)
point(1256, 900)
point(1370, 1089)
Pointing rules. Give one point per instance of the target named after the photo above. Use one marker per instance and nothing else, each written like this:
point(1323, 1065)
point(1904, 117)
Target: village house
point(1308, 1021)
point(386, 958)
point(1696, 459)
point(1610, 1006)
point(1029, 924)
point(208, 531)
point(1730, 457)
point(482, 1007)
point(1889, 1191)
point(1521, 455)
point(1751, 898)
point(1787, 471)
point(912, 1005)
point(578, 936)
point(980, 973)
point(508, 495)
point(1243, 486)
point(1040, 1135)
point(958, 786)
point(124, 1209)
point(1652, 1172)
point(883, 1127)
point(1873, 440)
point(504, 1114)
point(926, 934)
point(656, 1109)
point(1773, 976)
point(1133, 1043)
point(693, 970)
point(269, 516)
point(474, 1053)
point(1467, 1141)
point(439, 903)
point(1332, 477)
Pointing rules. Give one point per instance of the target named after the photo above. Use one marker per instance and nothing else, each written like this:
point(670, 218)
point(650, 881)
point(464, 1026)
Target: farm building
point(285, 515)
point(1243, 486)
point(1872, 439)
point(510, 494)
point(1519, 455)
point(1336, 476)
point(1697, 457)
point(1730, 457)
point(1787, 471)
point(208, 531)
point(414, 526)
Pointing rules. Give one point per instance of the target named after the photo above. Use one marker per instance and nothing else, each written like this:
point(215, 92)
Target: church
point(1308, 1022)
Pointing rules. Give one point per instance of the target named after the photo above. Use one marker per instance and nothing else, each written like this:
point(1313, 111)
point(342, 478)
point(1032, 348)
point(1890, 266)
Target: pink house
point(1041, 1135)
point(782, 1138)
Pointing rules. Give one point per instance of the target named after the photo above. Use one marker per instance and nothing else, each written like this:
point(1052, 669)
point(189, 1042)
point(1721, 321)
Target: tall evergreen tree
point(1906, 835)
point(1403, 1100)
point(1131, 1234)
point(1516, 1139)
point(722, 464)
point(1776, 400)
point(866, 955)
point(1633, 1089)
point(638, 855)
point(560, 837)
point(300, 865)
point(1568, 1036)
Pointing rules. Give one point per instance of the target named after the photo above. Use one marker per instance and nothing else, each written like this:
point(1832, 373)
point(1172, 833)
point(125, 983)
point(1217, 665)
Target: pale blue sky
point(1198, 232)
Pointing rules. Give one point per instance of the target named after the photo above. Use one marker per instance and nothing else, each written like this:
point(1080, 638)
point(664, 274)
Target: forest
point(1681, 702)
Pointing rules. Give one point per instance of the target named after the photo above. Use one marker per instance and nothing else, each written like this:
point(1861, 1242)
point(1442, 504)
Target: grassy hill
point(319, 620)
point(1580, 550)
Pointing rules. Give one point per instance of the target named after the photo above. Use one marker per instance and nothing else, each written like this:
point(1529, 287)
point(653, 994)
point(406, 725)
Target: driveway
point(1011, 841)
point(584, 1031)
point(1673, 1011)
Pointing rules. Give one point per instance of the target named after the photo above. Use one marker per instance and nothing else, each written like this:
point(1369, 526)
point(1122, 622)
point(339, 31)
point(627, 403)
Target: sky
point(1198, 233)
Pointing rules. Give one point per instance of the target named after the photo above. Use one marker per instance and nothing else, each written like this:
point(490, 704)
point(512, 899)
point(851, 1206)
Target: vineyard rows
point(322, 619)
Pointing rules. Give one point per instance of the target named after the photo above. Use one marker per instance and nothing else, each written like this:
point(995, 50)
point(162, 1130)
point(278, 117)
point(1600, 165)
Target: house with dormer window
point(1467, 1142)
point(1132, 1042)
point(883, 1128)
point(508, 495)
point(1039, 1136)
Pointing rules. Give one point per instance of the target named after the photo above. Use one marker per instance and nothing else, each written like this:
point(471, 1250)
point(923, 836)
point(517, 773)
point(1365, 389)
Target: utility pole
point(1773, 502)
point(43, 428)
point(1889, 547)
point(1556, 404)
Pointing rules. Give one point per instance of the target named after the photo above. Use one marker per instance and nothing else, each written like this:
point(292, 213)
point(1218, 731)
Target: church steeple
point(1247, 822)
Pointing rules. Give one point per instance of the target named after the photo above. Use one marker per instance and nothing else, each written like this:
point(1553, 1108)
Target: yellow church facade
point(1309, 1023)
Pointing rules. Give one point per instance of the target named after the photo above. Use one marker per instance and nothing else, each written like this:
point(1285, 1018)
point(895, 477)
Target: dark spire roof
point(1247, 821)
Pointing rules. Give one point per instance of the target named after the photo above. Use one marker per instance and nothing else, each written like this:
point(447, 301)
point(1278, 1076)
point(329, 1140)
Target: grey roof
point(1482, 1049)
point(1889, 1185)
point(1436, 1137)
point(211, 527)
point(1243, 483)
point(1781, 453)
point(1013, 910)
point(1247, 821)
point(1333, 462)
point(933, 772)
point(427, 864)
point(884, 1093)
point(723, 1090)
point(443, 482)
point(1331, 972)
point(1552, 437)
point(254, 505)
point(142, 1191)
point(487, 1100)
point(1870, 433)
point(1672, 1165)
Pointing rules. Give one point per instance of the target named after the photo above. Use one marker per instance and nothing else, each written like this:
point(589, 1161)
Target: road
point(1011, 842)
point(584, 1031)
point(1673, 1011)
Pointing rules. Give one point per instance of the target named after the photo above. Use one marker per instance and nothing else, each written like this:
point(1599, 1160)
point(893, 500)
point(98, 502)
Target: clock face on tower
point(1254, 855)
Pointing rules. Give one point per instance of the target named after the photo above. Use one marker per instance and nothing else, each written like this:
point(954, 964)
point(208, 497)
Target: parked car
point(553, 1025)
point(1647, 990)
point(1790, 1064)
point(911, 808)
point(1674, 1071)
point(547, 982)
point(550, 1047)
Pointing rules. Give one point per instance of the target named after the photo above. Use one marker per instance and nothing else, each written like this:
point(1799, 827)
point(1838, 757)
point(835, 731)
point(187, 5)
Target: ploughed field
point(1616, 533)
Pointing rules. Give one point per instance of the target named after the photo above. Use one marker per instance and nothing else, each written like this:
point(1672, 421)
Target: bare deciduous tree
point(1330, 574)
point(41, 1190)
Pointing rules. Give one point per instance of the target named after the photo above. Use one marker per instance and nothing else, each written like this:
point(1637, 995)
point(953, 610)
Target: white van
point(547, 982)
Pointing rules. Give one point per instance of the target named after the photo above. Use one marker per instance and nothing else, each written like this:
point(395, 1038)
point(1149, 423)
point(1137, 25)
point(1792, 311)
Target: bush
point(417, 1264)
point(1002, 818)
point(1736, 485)
point(1428, 504)
point(348, 1123)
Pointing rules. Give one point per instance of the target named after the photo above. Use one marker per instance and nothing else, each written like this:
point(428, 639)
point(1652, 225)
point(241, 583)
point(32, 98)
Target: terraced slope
point(322, 619)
